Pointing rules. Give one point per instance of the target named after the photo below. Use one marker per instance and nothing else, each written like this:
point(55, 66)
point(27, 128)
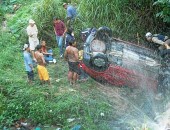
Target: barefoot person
point(71, 55)
point(42, 71)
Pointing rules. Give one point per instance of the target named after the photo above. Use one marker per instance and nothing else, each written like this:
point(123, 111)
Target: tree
point(165, 12)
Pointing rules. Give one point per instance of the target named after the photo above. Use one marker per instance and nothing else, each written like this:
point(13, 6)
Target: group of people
point(60, 28)
point(35, 53)
point(41, 55)
point(38, 53)
point(41, 63)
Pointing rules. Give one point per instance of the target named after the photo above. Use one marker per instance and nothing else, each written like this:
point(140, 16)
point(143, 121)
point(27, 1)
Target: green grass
point(22, 100)
point(54, 104)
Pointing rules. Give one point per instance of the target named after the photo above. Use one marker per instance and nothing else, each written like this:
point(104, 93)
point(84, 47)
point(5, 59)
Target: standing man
point(71, 14)
point(42, 71)
point(60, 30)
point(71, 55)
point(28, 63)
point(32, 32)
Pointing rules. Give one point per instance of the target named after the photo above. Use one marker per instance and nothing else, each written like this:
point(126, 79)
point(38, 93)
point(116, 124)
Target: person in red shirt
point(60, 30)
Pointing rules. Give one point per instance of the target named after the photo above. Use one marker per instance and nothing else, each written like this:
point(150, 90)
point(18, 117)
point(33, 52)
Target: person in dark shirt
point(156, 38)
point(69, 36)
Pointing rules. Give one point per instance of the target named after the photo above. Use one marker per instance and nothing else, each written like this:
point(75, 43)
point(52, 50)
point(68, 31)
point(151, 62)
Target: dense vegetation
point(55, 105)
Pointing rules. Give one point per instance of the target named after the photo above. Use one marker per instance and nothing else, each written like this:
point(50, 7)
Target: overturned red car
point(118, 62)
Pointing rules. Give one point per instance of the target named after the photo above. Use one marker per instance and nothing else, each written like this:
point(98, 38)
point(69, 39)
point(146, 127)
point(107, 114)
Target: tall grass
point(125, 17)
point(22, 100)
point(113, 14)
point(128, 19)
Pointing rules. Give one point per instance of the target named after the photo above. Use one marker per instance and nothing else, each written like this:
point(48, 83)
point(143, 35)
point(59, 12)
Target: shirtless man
point(71, 55)
point(42, 71)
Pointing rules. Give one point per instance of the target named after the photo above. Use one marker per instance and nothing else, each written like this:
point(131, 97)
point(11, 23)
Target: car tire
point(104, 33)
point(99, 62)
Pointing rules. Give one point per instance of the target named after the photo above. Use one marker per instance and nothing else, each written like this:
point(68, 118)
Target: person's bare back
point(72, 54)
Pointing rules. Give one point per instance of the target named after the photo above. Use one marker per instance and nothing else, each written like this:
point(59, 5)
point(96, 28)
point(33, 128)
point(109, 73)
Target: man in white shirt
point(32, 32)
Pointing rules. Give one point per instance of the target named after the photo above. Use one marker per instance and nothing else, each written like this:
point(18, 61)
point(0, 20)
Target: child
point(48, 55)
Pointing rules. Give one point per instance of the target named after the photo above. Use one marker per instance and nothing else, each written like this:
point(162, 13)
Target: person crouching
point(158, 39)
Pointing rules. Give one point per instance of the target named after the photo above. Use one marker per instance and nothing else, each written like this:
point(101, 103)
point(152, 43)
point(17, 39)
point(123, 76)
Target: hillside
point(91, 105)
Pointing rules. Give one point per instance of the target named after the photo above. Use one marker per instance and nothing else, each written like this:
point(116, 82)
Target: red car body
point(123, 74)
point(118, 76)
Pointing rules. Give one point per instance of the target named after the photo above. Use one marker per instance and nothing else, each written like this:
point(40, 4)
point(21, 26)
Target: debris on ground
point(76, 127)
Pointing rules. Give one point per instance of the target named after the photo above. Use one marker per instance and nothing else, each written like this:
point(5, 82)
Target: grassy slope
point(21, 100)
point(35, 102)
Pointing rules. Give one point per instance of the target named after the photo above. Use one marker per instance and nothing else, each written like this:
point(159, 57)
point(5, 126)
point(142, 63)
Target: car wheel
point(99, 62)
point(104, 33)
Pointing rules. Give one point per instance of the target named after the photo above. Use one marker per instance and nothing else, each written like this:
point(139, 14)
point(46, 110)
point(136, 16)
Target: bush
point(165, 7)
point(1, 14)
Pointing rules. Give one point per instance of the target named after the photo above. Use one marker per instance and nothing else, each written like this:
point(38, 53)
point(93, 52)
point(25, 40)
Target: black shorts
point(73, 67)
point(30, 75)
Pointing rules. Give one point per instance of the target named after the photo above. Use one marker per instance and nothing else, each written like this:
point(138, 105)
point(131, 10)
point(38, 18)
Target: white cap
point(64, 4)
point(25, 47)
point(31, 21)
point(148, 34)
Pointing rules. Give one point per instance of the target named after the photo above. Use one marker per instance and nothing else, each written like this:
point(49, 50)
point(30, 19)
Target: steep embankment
point(94, 106)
